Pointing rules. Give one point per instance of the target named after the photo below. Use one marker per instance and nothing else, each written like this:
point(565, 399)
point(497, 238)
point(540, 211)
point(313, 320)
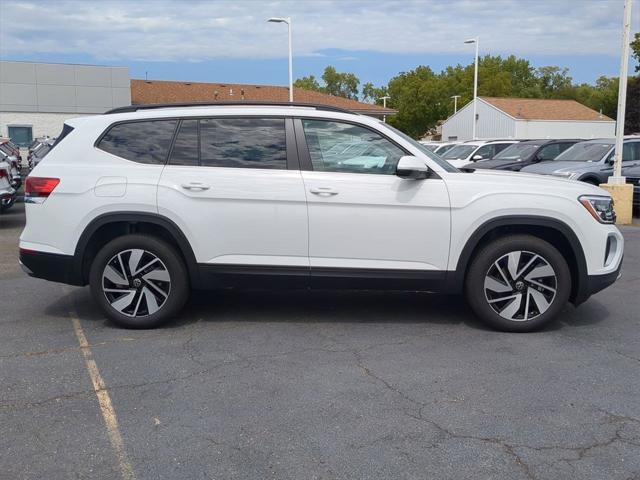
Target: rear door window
point(142, 142)
point(185, 147)
point(243, 143)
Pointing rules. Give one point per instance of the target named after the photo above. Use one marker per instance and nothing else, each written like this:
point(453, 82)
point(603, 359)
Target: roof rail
point(152, 106)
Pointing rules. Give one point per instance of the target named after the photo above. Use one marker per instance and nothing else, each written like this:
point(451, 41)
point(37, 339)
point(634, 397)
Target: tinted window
point(459, 152)
point(486, 151)
point(517, 151)
point(365, 150)
point(630, 151)
point(585, 152)
point(143, 142)
point(243, 143)
point(185, 147)
point(549, 152)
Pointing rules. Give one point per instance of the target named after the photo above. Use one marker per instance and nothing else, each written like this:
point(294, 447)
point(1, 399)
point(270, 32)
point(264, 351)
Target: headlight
point(600, 208)
point(568, 175)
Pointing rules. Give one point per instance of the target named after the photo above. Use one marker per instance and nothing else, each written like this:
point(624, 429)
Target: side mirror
point(412, 168)
point(475, 158)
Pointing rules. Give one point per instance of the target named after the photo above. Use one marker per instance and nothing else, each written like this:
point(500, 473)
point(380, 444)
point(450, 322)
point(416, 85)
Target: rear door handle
point(324, 191)
point(195, 186)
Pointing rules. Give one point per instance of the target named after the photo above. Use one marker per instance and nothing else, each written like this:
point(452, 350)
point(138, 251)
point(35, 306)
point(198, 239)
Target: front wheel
point(138, 281)
point(518, 283)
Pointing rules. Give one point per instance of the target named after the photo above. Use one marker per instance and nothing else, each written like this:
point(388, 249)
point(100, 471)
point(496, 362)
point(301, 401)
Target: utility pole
point(622, 192)
point(455, 103)
point(384, 105)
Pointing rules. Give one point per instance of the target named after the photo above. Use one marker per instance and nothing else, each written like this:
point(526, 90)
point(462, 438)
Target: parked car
point(173, 198)
point(632, 174)
point(39, 150)
point(590, 161)
point(38, 154)
point(464, 153)
point(7, 192)
point(14, 168)
point(519, 155)
point(11, 148)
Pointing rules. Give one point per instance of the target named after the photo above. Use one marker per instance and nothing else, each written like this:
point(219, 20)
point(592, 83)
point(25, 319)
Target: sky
point(230, 41)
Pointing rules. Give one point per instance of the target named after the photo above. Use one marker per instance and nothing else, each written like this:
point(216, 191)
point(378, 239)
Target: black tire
point(491, 261)
point(141, 313)
point(6, 206)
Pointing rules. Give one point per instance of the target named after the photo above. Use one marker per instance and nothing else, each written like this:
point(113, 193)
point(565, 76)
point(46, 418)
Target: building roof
point(543, 109)
point(160, 91)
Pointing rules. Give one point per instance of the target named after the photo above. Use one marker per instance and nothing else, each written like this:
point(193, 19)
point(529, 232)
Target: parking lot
point(307, 385)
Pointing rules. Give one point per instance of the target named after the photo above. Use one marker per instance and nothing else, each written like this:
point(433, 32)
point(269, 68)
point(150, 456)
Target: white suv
point(145, 203)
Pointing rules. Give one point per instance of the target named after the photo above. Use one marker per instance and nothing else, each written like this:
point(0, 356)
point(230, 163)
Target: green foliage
point(373, 94)
point(635, 49)
point(335, 83)
point(422, 97)
point(307, 83)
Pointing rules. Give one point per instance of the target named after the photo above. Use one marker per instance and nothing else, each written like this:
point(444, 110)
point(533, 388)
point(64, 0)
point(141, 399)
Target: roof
point(161, 91)
point(545, 109)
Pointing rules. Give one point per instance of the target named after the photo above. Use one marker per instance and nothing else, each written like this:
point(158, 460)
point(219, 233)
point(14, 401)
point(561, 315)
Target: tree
point(635, 49)
point(308, 83)
point(554, 81)
point(373, 94)
point(632, 110)
point(340, 84)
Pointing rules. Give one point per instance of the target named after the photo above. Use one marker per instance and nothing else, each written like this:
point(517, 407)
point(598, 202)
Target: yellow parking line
point(106, 407)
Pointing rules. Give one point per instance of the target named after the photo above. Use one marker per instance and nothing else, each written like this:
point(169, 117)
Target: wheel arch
point(108, 226)
point(554, 231)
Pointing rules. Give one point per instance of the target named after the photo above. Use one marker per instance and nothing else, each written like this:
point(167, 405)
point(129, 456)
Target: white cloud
point(197, 30)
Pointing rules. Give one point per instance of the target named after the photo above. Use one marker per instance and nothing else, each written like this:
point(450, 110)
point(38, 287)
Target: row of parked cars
point(11, 167)
point(589, 161)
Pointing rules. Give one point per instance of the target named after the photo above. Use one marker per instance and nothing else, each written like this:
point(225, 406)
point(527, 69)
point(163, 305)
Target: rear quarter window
point(142, 142)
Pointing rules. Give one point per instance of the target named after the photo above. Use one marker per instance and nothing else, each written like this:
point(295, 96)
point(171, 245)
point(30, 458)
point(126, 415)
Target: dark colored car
point(632, 174)
point(523, 154)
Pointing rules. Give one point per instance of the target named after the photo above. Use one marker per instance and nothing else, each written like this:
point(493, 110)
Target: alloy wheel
point(520, 285)
point(136, 283)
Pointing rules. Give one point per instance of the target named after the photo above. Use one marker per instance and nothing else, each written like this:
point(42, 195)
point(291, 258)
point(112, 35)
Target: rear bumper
point(50, 266)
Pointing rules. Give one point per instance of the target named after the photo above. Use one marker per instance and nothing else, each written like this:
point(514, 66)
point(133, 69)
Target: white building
point(527, 118)
point(36, 98)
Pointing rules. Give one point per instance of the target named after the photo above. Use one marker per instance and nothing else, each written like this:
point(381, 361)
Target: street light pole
point(455, 103)
point(384, 105)
point(475, 40)
point(617, 178)
point(287, 20)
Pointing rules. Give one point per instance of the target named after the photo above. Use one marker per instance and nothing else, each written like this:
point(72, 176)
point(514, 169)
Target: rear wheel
point(138, 281)
point(518, 283)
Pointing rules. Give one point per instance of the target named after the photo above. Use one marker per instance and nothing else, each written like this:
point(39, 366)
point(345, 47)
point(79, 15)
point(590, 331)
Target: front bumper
point(51, 266)
point(596, 283)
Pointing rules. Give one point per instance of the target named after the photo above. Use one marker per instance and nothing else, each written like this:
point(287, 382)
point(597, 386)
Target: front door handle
point(324, 191)
point(195, 186)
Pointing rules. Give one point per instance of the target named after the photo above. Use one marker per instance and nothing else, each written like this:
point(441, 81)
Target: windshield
point(444, 148)
point(459, 151)
point(517, 151)
point(585, 152)
point(445, 165)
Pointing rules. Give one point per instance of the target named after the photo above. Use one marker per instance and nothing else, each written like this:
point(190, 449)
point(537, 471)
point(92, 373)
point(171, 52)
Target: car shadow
point(325, 306)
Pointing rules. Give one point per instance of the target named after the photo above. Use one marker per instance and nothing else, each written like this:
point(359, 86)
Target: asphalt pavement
point(311, 385)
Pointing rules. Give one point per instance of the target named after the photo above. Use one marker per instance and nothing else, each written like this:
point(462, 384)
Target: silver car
point(590, 161)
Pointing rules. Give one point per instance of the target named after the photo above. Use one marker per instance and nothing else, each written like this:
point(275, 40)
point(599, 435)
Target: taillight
point(4, 173)
point(37, 189)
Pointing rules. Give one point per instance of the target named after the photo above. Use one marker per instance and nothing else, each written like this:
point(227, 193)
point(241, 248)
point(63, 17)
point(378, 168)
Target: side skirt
point(269, 277)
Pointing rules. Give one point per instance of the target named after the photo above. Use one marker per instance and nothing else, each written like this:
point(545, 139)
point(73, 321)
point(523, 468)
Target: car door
point(234, 188)
point(366, 223)
point(630, 158)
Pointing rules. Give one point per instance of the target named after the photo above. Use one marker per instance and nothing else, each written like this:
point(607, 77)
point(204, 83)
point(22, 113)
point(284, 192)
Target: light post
point(475, 85)
point(384, 105)
point(287, 20)
point(455, 103)
point(621, 192)
point(617, 178)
